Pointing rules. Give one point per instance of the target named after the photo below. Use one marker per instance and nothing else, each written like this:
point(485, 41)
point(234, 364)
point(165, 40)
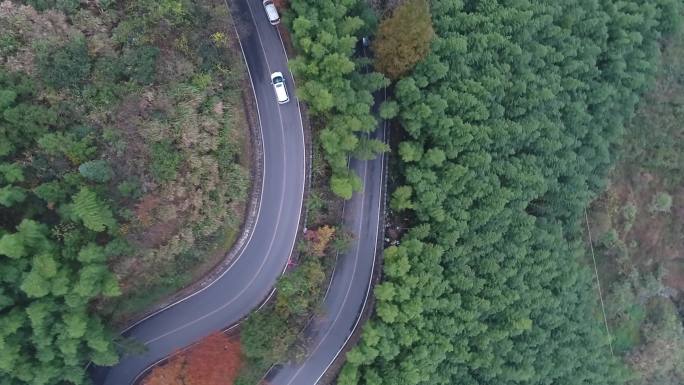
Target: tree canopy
point(403, 39)
point(335, 85)
point(51, 264)
point(511, 121)
point(215, 360)
point(121, 128)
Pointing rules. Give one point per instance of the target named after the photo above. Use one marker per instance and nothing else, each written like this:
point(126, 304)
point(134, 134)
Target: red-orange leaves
point(215, 360)
point(319, 239)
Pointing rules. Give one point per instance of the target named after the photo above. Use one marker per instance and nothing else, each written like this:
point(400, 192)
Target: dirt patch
point(652, 237)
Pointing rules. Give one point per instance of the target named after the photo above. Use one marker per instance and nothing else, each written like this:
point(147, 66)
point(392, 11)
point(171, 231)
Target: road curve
point(347, 295)
point(250, 279)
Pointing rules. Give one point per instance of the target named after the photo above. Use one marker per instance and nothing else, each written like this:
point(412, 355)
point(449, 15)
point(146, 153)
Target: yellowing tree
point(320, 239)
point(403, 39)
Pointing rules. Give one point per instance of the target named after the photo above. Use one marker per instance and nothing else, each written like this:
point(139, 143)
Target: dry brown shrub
point(170, 373)
point(144, 209)
point(319, 239)
point(28, 27)
point(215, 360)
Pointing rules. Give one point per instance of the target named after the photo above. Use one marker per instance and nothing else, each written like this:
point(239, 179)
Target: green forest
point(121, 133)
point(636, 225)
point(124, 172)
point(509, 126)
point(336, 83)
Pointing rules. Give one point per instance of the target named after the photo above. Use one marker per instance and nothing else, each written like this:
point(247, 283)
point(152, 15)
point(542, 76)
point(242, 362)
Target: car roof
point(281, 93)
point(271, 11)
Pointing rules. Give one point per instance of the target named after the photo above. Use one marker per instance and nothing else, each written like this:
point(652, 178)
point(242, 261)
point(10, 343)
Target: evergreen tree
point(66, 66)
point(335, 85)
point(511, 121)
point(96, 170)
point(94, 213)
point(51, 266)
point(47, 330)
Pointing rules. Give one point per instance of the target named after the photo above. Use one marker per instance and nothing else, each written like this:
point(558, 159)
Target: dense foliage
point(636, 226)
point(511, 121)
point(654, 142)
point(56, 233)
point(118, 155)
point(403, 39)
point(215, 360)
point(333, 83)
point(273, 334)
point(150, 94)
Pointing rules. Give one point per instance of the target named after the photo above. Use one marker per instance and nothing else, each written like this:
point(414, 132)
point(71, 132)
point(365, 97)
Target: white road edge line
point(280, 207)
point(358, 320)
point(375, 250)
point(260, 198)
point(282, 125)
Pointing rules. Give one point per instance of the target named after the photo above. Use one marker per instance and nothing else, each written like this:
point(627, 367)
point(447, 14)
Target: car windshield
point(277, 79)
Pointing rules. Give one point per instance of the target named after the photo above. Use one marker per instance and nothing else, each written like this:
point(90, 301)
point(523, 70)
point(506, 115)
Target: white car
point(271, 12)
point(278, 82)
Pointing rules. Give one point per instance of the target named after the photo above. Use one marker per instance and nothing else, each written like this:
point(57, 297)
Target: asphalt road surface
point(350, 285)
point(253, 274)
point(351, 282)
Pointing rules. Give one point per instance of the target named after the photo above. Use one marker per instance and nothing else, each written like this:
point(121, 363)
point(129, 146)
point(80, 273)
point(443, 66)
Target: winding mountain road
point(351, 282)
point(251, 277)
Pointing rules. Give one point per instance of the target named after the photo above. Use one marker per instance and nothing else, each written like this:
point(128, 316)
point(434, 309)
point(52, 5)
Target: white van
point(271, 12)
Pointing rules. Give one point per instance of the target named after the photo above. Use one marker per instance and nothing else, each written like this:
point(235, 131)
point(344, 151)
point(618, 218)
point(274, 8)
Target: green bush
point(11, 172)
point(93, 211)
point(65, 67)
point(77, 150)
point(401, 198)
point(662, 203)
point(139, 63)
point(389, 110)
point(165, 161)
point(21, 119)
point(8, 45)
point(201, 81)
point(316, 205)
point(629, 214)
point(129, 188)
point(50, 192)
point(344, 185)
point(11, 195)
point(68, 6)
point(96, 170)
